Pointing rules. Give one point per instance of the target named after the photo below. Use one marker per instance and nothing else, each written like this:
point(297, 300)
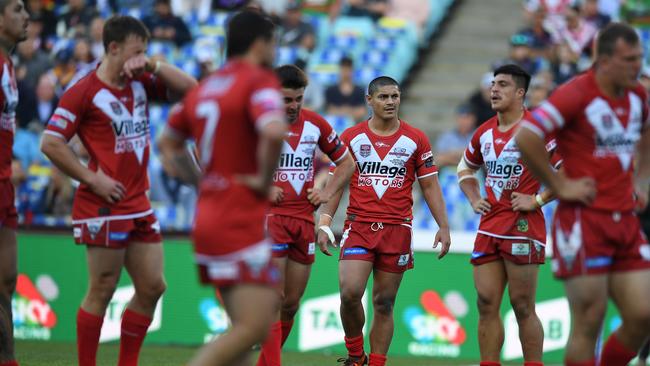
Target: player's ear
point(368, 99)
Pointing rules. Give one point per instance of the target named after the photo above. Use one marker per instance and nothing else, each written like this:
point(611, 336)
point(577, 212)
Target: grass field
point(64, 354)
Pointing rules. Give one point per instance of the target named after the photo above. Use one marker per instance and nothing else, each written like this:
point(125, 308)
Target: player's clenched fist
point(106, 187)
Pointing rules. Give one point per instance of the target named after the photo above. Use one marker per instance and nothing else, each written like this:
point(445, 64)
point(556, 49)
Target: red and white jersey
point(8, 102)
point(387, 166)
point(596, 136)
point(223, 115)
point(295, 173)
point(505, 173)
point(113, 125)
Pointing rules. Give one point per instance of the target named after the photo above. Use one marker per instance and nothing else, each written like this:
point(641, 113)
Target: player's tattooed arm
point(433, 197)
point(344, 170)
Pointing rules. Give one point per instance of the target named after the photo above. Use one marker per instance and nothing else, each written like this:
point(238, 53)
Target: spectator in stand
point(82, 53)
point(577, 33)
point(450, 145)
point(374, 9)
point(538, 91)
point(345, 97)
point(37, 105)
point(43, 17)
point(480, 101)
point(295, 31)
point(32, 62)
point(554, 10)
point(165, 26)
point(593, 15)
point(541, 40)
point(201, 8)
point(76, 19)
point(96, 43)
point(521, 54)
point(331, 8)
point(566, 65)
point(65, 68)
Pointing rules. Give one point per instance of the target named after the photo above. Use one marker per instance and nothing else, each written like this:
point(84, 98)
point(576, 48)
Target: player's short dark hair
point(379, 82)
point(346, 61)
point(119, 27)
point(244, 28)
point(291, 77)
point(519, 75)
point(608, 36)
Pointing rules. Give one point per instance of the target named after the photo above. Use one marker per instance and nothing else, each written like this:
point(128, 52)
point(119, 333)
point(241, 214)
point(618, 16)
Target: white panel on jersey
point(504, 170)
point(382, 173)
point(8, 117)
point(612, 139)
point(296, 165)
point(131, 131)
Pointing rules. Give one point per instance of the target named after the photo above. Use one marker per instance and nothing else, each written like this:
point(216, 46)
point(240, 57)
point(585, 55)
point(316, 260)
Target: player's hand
point(581, 190)
point(255, 183)
point(641, 193)
point(481, 206)
point(135, 66)
point(276, 195)
point(106, 187)
point(523, 202)
point(316, 196)
point(443, 237)
point(324, 242)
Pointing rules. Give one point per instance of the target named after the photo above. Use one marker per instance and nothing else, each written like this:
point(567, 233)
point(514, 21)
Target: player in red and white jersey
point(111, 212)
point(13, 29)
point(511, 237)
point(390, 155)
point(236, 116)
point(600, 122)
point(290, 222)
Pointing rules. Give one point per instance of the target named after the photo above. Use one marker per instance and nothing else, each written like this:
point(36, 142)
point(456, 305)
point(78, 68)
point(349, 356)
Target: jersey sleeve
point(425, 166)
point(472, 154)
point(345, 142)
point(68, 115)
point(556, 112)
point(555, 158)
point(265, 103)
point(178, 125)
point(329, 142)
point(155, 88)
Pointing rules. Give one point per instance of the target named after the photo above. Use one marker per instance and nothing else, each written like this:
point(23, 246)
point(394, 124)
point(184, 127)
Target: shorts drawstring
point(376, 226)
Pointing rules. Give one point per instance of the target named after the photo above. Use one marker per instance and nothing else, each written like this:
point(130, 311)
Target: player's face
point(385, 102)
point(504, 92)
point(14, 21)
point(624, 66)
point(131, 47)
point(293, 102)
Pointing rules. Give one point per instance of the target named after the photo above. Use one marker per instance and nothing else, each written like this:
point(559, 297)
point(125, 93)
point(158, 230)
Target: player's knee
point(523, 306)
point(350, 298)
point(487, 305)
point(103, 287)
point(383, 305)
point(152, 290)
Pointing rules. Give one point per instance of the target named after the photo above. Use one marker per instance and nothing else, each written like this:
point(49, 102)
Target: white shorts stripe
point(114, 217)
point(510, 237)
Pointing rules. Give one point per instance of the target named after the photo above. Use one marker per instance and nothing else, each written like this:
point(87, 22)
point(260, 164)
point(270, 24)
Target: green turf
point(64, 354)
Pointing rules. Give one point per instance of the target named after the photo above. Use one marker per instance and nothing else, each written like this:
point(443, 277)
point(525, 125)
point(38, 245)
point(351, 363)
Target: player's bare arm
point(62, 156)
point(177, 82)
point(468, 183)
point(433, 197)
point(642, 173)
point(177, 160)
point(276, 195)
point(533, 153)
point(344, 170)
point(324, 235)
point(268, 153)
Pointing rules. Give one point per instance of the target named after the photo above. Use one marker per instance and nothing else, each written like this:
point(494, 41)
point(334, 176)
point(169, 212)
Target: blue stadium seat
point(364, 74)
point(166, 49)
point(338, 122)
point(377, 58)
point(286, 55)
point(324, 74)
point(355, 26)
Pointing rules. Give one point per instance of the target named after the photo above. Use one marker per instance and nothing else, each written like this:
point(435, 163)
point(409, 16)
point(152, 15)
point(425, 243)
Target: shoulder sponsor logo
point(331, 137)
point(426, 155)
point(434, 326)
point(33, 317)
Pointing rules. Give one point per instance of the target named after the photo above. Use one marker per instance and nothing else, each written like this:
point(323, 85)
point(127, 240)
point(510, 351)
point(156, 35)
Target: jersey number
point(209, 110)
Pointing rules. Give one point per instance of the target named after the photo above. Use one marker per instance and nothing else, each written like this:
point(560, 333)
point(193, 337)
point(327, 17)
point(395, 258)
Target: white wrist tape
point(327, 230)
point(540, 200)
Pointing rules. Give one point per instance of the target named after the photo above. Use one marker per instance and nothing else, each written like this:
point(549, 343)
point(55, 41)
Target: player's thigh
point(353, 277)
point(104, 264)
point(385, 285)
point(281, 264)
point(8, 253)
point(522, 281)
point(490, 281)
point(587, 296)
point(297, 275)
point(144, 262)
point(631, 293)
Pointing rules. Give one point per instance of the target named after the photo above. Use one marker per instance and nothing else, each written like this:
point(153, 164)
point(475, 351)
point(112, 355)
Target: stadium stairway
point(476, 35)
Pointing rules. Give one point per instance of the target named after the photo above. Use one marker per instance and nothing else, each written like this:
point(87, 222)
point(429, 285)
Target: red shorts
point(589, 241)
point(292, 237)
point(519, 251)
point(250, 265)
point(117, 231)
point(8, 213)
point(387, 246)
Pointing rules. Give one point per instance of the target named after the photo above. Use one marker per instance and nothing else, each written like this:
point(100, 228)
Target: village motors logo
point(434, 327)
point(33, 317)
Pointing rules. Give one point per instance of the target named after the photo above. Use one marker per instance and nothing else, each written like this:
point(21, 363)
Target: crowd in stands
point(342, 44)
